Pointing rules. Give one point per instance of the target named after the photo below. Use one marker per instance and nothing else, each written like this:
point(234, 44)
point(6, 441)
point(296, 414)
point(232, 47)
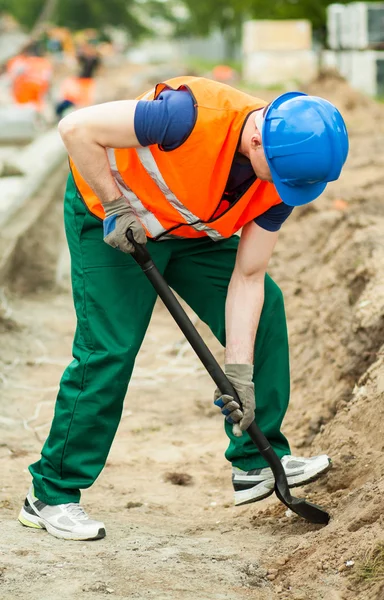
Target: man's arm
point(246, 292)
point(87, 133)
point(243, 308)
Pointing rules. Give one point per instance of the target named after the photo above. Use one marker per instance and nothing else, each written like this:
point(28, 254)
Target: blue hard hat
point(305, 143)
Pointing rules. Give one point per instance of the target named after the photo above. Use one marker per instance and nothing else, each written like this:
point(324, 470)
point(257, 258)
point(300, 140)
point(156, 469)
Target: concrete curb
point(23, 221)
point(37, 161)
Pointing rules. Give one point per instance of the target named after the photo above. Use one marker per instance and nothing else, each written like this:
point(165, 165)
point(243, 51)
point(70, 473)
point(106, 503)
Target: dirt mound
point(330, 84)
point(360, 111)
point(335, 302)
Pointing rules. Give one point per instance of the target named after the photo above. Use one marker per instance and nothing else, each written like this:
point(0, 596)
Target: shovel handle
point(141, 254)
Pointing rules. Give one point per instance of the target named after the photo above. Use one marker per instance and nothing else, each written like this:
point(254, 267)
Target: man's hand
point(120, 218)
point(241, 378)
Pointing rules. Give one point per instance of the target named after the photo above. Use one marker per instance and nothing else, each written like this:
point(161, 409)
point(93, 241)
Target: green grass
point(372, 566)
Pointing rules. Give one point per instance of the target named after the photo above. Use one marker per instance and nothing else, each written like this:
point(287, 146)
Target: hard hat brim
point(297, 195)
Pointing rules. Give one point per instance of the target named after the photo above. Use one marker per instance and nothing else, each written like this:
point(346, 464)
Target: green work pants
point(114, 302)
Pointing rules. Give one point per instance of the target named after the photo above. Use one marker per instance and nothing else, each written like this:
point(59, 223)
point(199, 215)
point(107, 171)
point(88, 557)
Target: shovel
point(307, 510)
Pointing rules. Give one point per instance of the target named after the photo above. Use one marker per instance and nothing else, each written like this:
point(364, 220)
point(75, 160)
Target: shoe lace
point(76, 511)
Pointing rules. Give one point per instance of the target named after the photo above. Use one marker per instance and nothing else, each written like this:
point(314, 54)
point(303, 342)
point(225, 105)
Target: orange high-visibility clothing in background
point(179, 193)
point(78, 90)
point(30, 77)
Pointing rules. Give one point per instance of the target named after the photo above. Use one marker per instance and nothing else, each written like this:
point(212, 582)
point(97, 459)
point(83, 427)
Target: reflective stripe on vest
point(148, 161)
point(149, 220)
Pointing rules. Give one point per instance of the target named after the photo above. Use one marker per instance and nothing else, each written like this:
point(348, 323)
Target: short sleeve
point(166, 121)
point(274, 217)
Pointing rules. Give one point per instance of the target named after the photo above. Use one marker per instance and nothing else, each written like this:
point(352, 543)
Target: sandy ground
point(168, 541)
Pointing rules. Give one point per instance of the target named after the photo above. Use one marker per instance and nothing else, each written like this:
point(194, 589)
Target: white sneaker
point(66, 521)
point(254, 485)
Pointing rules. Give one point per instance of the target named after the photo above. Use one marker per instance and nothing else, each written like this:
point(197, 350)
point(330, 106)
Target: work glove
point(120, 218)
point(241, 378)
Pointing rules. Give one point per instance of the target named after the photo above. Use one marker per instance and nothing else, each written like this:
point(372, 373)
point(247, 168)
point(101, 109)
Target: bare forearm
point(243, 308)
point(88, 132)
point(93, 165)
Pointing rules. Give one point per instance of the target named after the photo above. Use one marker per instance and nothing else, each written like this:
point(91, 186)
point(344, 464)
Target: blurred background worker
point(88, 59)
point(79, 91)
point(30, 74)
point(184, 168)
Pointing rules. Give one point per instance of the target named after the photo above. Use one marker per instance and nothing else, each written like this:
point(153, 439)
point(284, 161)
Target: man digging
point(184, 168)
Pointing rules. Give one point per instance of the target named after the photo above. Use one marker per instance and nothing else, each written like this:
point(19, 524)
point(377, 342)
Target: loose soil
point(165, 494)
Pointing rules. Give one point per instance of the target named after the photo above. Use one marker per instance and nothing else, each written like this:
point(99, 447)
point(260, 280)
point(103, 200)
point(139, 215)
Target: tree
point(208, 14)
point(25, 12)
point(204, 15)
point(81, 14)
point(47, 12)
point(76, 14)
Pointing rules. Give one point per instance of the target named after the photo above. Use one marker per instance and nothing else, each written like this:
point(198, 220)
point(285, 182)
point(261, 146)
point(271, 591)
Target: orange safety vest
point(30, 77)
point(179, 193)
point(78, 90)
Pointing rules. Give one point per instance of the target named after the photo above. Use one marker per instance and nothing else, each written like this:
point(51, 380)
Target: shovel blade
point(303, 508)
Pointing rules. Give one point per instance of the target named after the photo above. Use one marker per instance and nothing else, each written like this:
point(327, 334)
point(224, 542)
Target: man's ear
point(256, 141)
